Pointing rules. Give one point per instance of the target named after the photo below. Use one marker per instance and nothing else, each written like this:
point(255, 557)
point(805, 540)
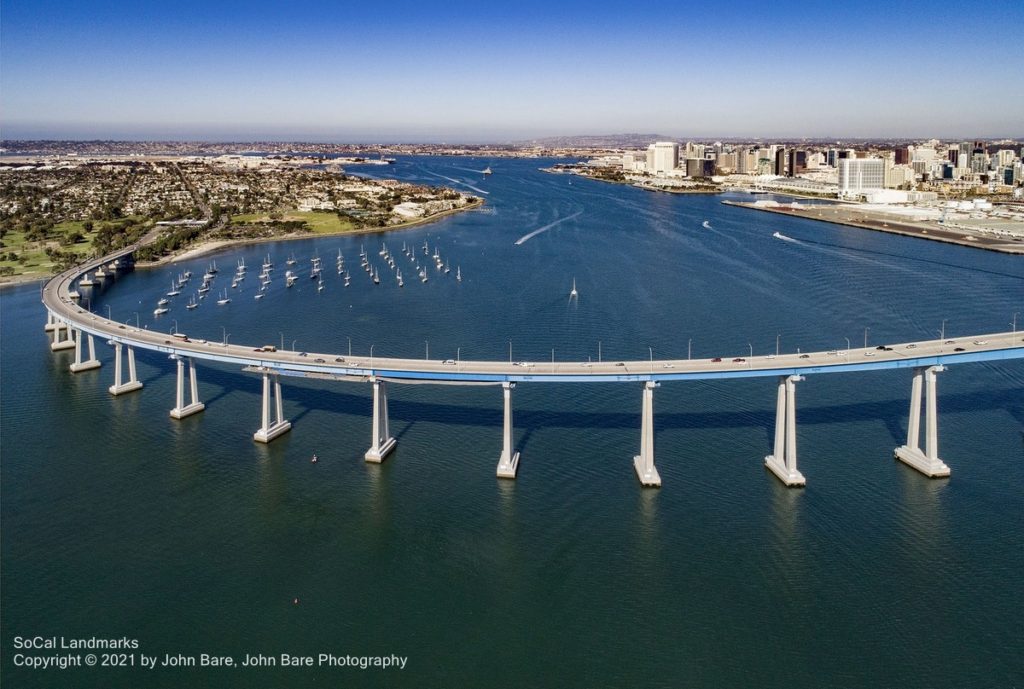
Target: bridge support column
point(92, 362)
point(782, 462)
point(927, 462)
point(59, 344)
point(119, 388)
point(383, 443)
point(508, 463)
point(51, 323)
point(181, 410)
point(643, 463)
point(271, 429)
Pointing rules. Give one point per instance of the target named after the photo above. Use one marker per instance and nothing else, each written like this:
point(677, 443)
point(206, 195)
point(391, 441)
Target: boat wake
point(779, 235)
point(547, 227)
point(460, 182)
point(706, 225)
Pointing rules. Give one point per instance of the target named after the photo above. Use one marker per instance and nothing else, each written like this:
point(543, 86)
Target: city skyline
point(463, 73)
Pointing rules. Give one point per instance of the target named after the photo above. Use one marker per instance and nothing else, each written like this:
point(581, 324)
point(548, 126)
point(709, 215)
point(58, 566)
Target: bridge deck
point(990, 347)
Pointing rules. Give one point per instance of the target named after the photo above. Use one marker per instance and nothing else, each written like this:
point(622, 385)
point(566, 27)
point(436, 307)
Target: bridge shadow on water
point(304, 397)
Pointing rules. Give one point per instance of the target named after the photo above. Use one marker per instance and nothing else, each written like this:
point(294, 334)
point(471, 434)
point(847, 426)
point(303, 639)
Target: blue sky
point(480, 71)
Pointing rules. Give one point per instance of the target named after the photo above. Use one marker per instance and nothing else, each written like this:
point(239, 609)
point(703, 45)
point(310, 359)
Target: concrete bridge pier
point(181, 410)
point(927, 462)
point(51, 323)
point(59, 344)
point(508, 463)
point(782, 462)
point(133, 383)
point(383, 443)
point(92, 362)
point(271, 429)
point(643, 463)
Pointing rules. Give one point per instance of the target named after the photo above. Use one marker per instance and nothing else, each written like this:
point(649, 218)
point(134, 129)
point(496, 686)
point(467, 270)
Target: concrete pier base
point(51, 323)
point(181, 410)
point(927, 462)
point(92, 362)
point(643, 463)
point(133, 383)
point(508, 462)
point(383, 443)
point(59, 343)
point(272, 427)
point(782, 462)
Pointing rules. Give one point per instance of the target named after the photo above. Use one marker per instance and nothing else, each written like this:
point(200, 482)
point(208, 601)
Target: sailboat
point(376, 277)
point(192, 304)
point(487, 170)
point(291, 260)
point(574, 294)
point(224, 299)
point(174, 289)
point(458, 274)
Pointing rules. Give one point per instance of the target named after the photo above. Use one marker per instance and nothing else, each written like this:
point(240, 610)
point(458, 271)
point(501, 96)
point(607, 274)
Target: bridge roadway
point(922, 355)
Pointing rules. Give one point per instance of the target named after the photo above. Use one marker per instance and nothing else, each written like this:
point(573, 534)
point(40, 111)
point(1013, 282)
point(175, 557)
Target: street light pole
point(847, 348)
point(293, 344)
point(224, 334)
point(371, 356)
point(651, 352)
point(427, 355)
point(599, 351)
point(1014, 323)
point(510, 351)
point(350, 346)
point(866, 337)
point(282, 339)
point(751, 350)
point(689, 349)
point(778, 336)
point(942, 333)
point(109, 317)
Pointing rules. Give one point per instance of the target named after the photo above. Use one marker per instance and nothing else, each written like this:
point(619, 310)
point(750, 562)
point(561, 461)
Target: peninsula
point(56, 211)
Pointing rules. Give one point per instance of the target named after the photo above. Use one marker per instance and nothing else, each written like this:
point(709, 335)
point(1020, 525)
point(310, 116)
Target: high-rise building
point(953, 154)
point(780, 162)
point(694, 167)
point(902, 155)
point(797, 162)
point(727, 161)
point(857, 175)
point(664, 156)
point(832, 157)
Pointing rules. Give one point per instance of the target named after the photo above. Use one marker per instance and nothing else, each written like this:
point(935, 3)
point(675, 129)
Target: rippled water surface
point(118, 520)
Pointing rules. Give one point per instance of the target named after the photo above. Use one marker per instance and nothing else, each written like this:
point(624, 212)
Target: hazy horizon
point(469, 73)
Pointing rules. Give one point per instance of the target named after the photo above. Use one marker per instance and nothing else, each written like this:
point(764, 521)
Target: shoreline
point(935, 233)
point(626, 183)
point(210, 246)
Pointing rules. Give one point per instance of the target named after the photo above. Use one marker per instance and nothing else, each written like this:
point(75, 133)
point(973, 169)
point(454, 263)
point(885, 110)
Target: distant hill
point(598, 141)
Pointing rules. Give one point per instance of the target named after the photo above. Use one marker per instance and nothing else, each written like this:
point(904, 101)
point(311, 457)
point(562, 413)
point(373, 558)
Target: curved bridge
point(73, 327)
